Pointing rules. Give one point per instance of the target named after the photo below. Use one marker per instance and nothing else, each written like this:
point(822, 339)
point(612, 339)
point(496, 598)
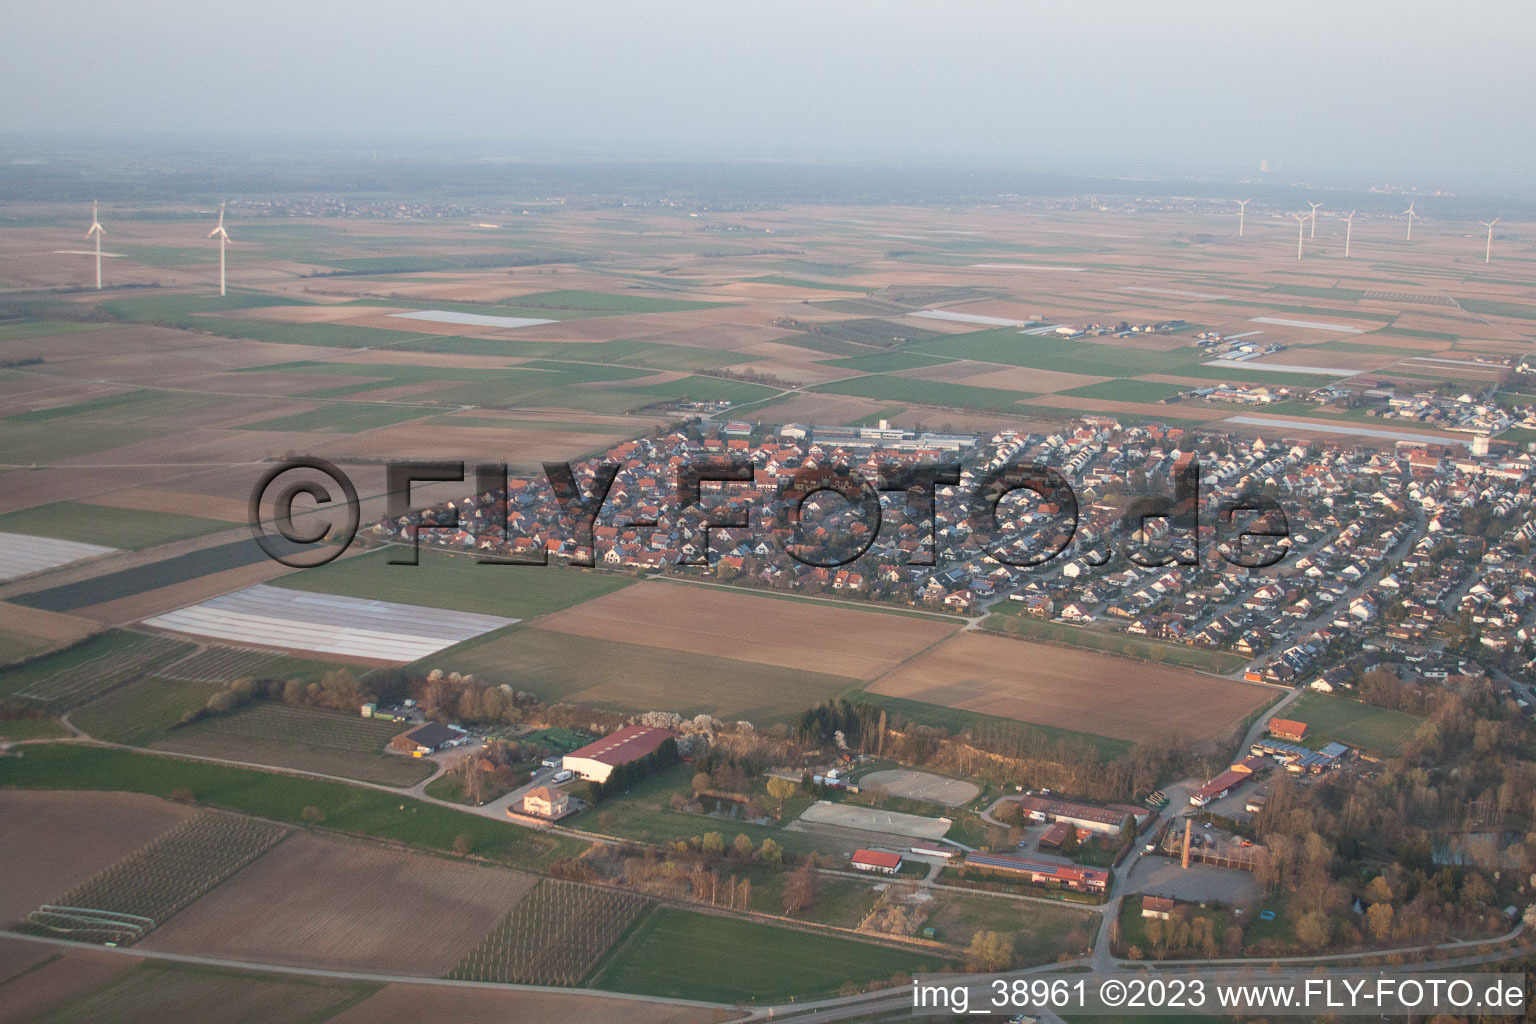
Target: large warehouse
point(597, 760)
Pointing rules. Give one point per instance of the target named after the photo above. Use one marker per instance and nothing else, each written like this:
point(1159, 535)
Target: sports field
point(816, 636)
point(1372, 729)
point(1072, 689)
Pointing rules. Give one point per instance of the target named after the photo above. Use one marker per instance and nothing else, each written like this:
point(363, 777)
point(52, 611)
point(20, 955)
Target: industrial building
point(1103, 820)
point(597, 760)
point(1046, 873)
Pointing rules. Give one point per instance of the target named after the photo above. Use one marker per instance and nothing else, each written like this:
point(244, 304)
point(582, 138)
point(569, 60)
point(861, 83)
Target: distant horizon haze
point(1369, 93)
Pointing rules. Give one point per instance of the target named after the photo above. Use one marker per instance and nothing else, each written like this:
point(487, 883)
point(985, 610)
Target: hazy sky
point(1427, 93)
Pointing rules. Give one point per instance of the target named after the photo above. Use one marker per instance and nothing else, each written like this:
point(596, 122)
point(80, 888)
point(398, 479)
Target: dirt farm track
point(1071, 689)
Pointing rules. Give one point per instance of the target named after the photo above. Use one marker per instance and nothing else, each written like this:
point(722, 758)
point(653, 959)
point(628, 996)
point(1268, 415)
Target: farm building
point(1156, 906)
point(874, 860)
point(1286, 729)
point(1104, 820)
point(923, 849)
point(1040, 872)
point(597, 760)
point(426, 739)
point(1220, 786)
point(1057, 834)
point(1279, 748)
point(546, 802)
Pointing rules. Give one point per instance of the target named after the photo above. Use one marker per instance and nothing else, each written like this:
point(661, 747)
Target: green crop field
point(1008, 346)
point(344, 418)
point(347, 808)
point(1040, 932)
point(601, 302)
point(140, 712)
point(1125, 391)
point(958, 720)
point(1372, 729)
point(157, 991)
point(1009, 617)
point(19, 645)
point(561, 667)
point(886, 362)
point(687, 955)
point(456, 581)
point(327, 742)
point(80, 673)
point(113, 527)
point(924, 392)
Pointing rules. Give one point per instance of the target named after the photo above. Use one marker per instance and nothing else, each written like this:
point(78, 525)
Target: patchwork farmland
point(791, 634)
point(554, 936)
point(141, 892)
point(1072, 689)
point(327, 742)
point(317, 901)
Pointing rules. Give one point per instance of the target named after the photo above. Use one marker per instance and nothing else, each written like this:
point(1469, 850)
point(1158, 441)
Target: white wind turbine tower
point(96, 232)
point(1487, 253)
point(1314, 216)
point(1411, 215)
point(1349, 229)
point(223, 237)
point(1242, 208)
point(1301, 228)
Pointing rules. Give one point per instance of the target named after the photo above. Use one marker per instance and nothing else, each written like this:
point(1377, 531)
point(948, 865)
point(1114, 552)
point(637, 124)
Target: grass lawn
point(456, 581)
point(1040, 932)
point(347, 808)
point(688, 955)
point(561, 667)
point(114, 527)
point(1006, 619)
point(328, 742)
point(842, 902)
point(1372, 729)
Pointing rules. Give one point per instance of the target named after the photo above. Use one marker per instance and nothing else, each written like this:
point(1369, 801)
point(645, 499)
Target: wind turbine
point(96, 232)
point(223, 237)
point(1242, 208)
point(1301, 227)
point(1349, 228)
point(1488, 252)
point(1411, 215)
point(1314, 216)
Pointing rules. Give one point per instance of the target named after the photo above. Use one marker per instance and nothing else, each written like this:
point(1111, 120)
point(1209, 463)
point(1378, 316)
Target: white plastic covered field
point(328, 624)
point(22, 554)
